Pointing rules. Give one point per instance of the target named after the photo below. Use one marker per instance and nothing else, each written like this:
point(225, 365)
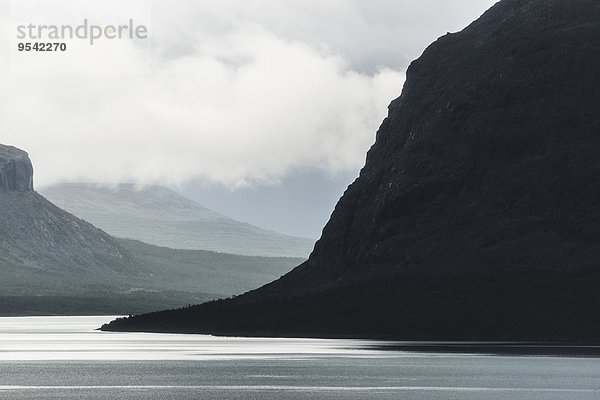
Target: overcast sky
point(243, 97)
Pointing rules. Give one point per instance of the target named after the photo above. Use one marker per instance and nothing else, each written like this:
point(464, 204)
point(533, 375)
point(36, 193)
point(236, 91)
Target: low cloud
point(236, 97)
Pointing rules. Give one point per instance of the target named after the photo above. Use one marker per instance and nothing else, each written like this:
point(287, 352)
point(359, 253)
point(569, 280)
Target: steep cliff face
point(488, 160)
point(42, 247)
point(476, 215)
point(16, 171)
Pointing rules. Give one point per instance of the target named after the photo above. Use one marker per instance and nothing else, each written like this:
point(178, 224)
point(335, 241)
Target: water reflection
point(75, 338)
point(66, 358)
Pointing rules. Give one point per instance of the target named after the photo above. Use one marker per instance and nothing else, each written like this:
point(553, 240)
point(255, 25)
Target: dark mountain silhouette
point(477, 214)
point(162, 217)
point(52, 262)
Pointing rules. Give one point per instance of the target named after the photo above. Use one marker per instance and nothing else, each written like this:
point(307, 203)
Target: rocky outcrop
point(476, 215)
point(16, 171)
point(42, 246)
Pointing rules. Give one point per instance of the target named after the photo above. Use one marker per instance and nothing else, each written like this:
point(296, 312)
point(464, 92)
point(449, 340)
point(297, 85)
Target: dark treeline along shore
point(476, 216)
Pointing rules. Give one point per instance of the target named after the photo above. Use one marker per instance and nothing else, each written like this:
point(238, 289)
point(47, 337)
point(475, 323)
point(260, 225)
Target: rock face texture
point(16, 171)
point(488, 161)
point(476, 215)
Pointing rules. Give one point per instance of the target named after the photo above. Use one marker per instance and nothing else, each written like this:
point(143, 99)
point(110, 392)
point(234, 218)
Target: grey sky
point(299, 205)
point(247, 95)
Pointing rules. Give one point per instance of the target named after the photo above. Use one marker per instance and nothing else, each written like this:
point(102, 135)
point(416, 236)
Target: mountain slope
point(160, 216)
point(476, 216)
point(53, 262)
point(200, 271)
point(42, 246)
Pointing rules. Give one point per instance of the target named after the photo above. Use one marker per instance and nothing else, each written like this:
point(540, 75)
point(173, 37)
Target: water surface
point(65, 358)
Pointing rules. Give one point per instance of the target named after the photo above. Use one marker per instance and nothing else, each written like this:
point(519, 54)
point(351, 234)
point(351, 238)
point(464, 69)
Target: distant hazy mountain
point(160, 216)
point(52, 262)
point(477, 214)
point(204, 271)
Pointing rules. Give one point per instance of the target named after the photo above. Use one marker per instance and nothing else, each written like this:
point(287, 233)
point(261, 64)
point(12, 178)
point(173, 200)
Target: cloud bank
point(239, 93)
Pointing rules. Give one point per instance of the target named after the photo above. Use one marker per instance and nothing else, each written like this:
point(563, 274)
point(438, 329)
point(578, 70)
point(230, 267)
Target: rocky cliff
point(487, 162)
point(476, 215)
point(42, 247)
point(52, 262)
point(16, 171)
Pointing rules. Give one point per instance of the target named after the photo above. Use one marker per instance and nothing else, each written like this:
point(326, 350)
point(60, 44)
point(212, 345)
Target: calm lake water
point(65, 358)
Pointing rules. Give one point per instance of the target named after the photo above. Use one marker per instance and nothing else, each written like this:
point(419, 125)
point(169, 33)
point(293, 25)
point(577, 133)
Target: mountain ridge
point(160, 216)
point(475, 216)
point(52, 262)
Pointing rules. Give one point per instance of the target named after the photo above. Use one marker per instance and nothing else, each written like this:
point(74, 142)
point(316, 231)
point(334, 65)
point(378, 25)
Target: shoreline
point(494, 348)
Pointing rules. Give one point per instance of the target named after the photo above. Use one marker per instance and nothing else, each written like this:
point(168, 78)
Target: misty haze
point(341, 199)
